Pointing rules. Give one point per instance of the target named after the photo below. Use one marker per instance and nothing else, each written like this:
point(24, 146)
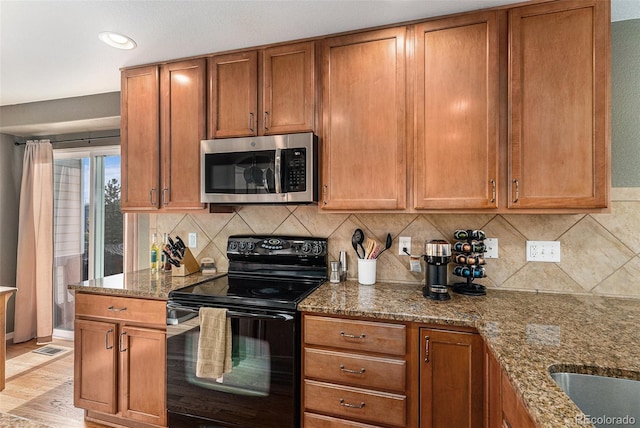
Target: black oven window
point(240, 172)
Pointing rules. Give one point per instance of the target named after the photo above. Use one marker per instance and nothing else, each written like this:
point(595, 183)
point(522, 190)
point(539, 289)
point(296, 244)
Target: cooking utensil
point(356, 241)
point(387, 244)
point(369, 246)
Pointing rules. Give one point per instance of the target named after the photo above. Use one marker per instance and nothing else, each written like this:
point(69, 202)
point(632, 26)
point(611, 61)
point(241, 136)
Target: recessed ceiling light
point(117, 40)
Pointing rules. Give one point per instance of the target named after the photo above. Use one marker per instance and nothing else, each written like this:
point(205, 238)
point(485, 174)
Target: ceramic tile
point(292, 226)
point(264, 219)
point(381, 224)
point(212, 223)
point(511, 254)
point(166, 223)
point(542, 227)
point(542, 277)
point(624, 282)
point(316, 222)
point(590, 253)
point(448, 223)
point(186, 226)
point(625, 194)
point(235, 226)
point(623, 222)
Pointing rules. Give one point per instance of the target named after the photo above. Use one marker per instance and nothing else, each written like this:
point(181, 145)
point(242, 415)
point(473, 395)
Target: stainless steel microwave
point(273, 169)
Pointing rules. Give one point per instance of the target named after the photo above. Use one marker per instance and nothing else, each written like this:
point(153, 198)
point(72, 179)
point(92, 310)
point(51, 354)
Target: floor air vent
point(48, 350)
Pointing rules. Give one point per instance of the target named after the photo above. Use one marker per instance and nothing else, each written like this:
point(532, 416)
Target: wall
point(10, 177)
point(600, 252)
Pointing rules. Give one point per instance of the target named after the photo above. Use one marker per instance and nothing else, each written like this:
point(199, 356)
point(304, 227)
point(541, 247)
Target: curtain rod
point(88, 140)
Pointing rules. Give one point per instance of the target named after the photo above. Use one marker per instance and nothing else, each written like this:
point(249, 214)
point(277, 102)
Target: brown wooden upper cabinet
point(559, 105)
point(163, 121)
point(140, 138)
point(285, 91)
point(457, 112)
point(364, 121)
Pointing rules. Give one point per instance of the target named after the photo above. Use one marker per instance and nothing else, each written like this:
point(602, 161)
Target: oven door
point(261, 390)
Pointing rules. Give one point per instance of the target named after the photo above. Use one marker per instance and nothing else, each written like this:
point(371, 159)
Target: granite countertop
point(142, 284)
point(529, 333)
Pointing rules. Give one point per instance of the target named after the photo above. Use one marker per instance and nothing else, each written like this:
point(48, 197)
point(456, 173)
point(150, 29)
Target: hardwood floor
point(40, 387)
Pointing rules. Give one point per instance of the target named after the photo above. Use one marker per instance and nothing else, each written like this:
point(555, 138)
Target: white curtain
point(34, 275)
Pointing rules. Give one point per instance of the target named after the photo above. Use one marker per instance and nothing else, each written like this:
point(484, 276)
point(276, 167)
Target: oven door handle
point(284, 317)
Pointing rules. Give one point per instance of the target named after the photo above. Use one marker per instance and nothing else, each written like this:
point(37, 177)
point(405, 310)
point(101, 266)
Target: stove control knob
point(316, 248)
point(233, 246)
point(306, 248)
point(243, 246)
point(251, 246)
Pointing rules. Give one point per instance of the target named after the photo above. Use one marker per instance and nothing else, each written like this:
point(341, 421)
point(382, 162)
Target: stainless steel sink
point(607, 401)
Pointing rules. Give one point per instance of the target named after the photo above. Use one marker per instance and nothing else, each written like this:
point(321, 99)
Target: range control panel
point(249, 245)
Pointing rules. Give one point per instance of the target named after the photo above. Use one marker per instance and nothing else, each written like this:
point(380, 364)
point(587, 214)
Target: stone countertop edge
point(529, 333)
point(142, 284)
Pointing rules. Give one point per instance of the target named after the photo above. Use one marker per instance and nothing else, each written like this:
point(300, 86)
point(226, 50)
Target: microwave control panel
point(295, 170)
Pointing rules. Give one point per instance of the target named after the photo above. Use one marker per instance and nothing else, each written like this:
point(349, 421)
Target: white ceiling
point(50, 49)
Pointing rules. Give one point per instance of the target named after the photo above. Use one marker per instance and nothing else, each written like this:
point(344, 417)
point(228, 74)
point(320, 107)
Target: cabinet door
point(183, 126)
point(363, 102)
point(233, 95)
point(140, 138)
point(95, 366)
point(457, 112)
point(514, 414)
point(492, 394)
point(451, 391)
point(288, 89)
point(558, 105)
point(143, 383)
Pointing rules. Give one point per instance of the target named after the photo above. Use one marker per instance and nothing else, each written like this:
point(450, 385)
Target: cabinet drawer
point(355, 335)
point(320, 421)
point(355, 403)
point(140, 311)
point(360, 370)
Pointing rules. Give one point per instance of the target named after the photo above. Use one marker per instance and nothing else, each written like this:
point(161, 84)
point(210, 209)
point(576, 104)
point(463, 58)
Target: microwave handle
point(278, 171)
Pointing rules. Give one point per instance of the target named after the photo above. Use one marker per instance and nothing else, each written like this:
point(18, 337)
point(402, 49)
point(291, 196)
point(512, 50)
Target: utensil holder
point(188, 265)
point(367, 271)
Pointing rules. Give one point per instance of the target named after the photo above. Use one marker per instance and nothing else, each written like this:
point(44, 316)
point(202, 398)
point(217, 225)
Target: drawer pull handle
point(426, 349)
point(352, 336)
point(361, 371)
point(113, 309)
point(106, 339)
point(352, 406)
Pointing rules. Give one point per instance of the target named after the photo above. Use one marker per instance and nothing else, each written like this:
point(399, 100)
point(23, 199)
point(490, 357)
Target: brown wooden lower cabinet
point(120, 352)
point(503, 407)
point(451, 378)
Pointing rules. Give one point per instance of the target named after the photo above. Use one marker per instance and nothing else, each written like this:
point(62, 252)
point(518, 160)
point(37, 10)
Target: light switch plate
point(193, 240)
point(491, 246)
point(543, 251)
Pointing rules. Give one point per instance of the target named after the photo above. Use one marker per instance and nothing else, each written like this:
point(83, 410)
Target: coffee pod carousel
point(468, 256)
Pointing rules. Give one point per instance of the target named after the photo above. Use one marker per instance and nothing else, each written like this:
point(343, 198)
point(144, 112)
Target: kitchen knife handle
point(426, 349)
point(106, 339)
point(515, 181)
point(266, 120)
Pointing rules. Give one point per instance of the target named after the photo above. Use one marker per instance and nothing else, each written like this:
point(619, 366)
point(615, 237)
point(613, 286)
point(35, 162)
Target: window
point(88, 224)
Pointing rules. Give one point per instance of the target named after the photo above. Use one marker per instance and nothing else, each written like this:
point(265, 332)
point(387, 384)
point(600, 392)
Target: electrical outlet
point(543, 251)
point(404, 243)
point(491, 245)
point(193, 240)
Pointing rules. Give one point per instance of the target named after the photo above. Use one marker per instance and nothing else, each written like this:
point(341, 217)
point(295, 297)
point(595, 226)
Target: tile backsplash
point(600, 253)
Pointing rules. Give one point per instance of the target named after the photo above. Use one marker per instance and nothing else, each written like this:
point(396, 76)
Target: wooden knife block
point(188, 265)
